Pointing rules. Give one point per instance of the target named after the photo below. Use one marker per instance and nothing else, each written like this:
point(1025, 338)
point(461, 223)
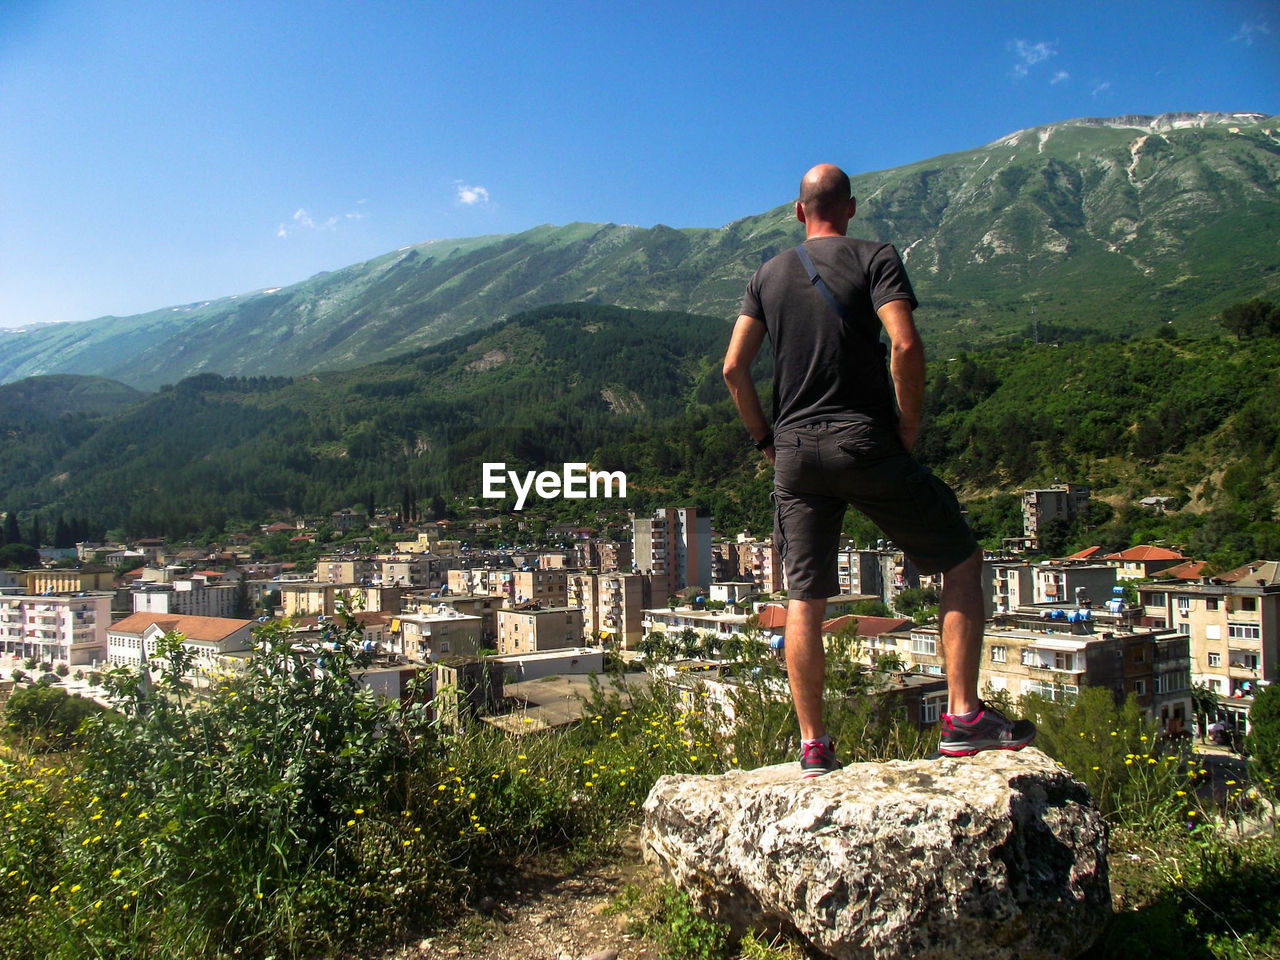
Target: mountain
point(48, 398)
point(641, 392)
point(1067, 230)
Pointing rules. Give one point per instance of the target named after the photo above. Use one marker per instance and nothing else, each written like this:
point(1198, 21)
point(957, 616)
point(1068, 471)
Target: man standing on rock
point(843, 429)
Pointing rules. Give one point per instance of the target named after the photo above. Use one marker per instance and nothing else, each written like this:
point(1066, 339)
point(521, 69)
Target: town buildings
point(70, 629)
point(613, 605)
point(674, 543)
point(208, 638)
point(1232, 623)
point(530, 628)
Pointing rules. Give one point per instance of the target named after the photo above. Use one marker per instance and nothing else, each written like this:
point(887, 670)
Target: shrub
point(48, 715)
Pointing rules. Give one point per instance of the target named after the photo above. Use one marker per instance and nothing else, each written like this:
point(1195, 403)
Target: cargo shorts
point(820, 468)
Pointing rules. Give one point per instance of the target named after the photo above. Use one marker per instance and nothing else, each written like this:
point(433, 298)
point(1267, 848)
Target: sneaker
point(989, 730)
point(818, 759)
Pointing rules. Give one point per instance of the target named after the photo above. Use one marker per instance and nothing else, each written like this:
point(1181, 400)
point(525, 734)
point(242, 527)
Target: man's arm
point(906, 365)
point(748, 335)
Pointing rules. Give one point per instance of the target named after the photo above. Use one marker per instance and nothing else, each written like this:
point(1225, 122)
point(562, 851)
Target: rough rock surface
point(1002, 855)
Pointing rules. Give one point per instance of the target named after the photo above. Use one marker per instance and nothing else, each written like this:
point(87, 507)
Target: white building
point(207, 638)
point(193, 597)
point(70, 629)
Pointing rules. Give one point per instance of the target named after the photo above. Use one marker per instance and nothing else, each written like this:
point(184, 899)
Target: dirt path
point(544, 915)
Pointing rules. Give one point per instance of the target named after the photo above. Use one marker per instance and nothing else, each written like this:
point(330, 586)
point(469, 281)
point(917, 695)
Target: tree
point(1251, 317)
point(1262, 743)
point(1205, 704)
point(49, 714)
point(18, 554)
point(11, 534)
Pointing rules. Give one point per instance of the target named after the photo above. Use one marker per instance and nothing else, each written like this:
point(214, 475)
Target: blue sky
point(153, 154)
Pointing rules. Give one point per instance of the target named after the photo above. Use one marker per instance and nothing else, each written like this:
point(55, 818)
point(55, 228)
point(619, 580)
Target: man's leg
point(960, 616)
point(806, 664)
point(970, 726)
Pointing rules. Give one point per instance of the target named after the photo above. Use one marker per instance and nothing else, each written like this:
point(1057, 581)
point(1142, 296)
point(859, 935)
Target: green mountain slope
point(1092, 225)
point(641, 392)
point(48, 398)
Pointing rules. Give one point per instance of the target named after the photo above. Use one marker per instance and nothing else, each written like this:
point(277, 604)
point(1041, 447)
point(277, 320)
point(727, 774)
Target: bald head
point(825, 192)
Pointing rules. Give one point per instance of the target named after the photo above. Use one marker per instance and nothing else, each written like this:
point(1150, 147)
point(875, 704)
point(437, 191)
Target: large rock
point(1002, 855)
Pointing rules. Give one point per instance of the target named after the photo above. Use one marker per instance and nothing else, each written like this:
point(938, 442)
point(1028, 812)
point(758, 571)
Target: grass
point(289, 814)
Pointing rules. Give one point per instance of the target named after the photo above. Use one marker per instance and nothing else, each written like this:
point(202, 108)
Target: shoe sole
point(973, 751)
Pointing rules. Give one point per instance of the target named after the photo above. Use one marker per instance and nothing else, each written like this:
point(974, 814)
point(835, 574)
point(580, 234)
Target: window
point(1249, 603)
point(998, 654)
point(1064, 661)
point(1184, 604)
point(1028, 658)
point(1140, 687)
point(1184, 629)
point(1244, 631)
point(923, 644)
point(930, 709)
point(1211, 603)
point(1215, 659)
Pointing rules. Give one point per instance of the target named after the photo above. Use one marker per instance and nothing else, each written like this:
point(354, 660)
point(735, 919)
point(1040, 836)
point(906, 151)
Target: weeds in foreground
point(286, 812)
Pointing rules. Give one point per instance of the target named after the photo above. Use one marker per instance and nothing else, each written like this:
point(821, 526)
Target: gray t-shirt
point(826, 368)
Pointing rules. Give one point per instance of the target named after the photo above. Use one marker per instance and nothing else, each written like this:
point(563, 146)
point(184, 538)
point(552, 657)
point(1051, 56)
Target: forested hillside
point(1189, 418)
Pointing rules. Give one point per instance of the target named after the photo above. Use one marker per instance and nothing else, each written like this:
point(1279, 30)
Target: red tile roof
point(1191, 570)
point(204, 629)
point(1085, 554)
point(867, 626)
point(1145, 552)
point(773, 617)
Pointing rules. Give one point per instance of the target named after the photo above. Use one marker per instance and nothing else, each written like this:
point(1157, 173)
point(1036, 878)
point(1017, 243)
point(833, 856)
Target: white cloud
point(470, 195)
point(1029, 54)
point(1248, 29)
point(1060, 77)
point(302, 220)
point(1103, 87)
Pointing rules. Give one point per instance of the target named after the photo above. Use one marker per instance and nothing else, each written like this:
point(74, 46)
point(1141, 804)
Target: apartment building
point(613, 604)
point(763, 564)
point(1069, 501)
point(876, 572)
point(1056, 660)
point(87, 578)
point(484, 606)
point(207, 638)
point(530, 629)
point(674, 543)
point(1232, 622)
point(719, 625)
point(346, 569)
point(416, 571)
point(430, 635)
point(66, 629)
point(604, 556)
point(309, 597)
point(190, 597)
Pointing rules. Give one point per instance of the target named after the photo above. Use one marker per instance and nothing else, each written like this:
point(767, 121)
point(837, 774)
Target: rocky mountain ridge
point(1110, 225)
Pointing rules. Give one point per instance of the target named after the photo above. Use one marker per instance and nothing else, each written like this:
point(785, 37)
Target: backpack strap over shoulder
point(816, 279)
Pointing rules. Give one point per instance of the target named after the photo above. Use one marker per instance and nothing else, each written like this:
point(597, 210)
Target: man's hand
point(908, 434)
